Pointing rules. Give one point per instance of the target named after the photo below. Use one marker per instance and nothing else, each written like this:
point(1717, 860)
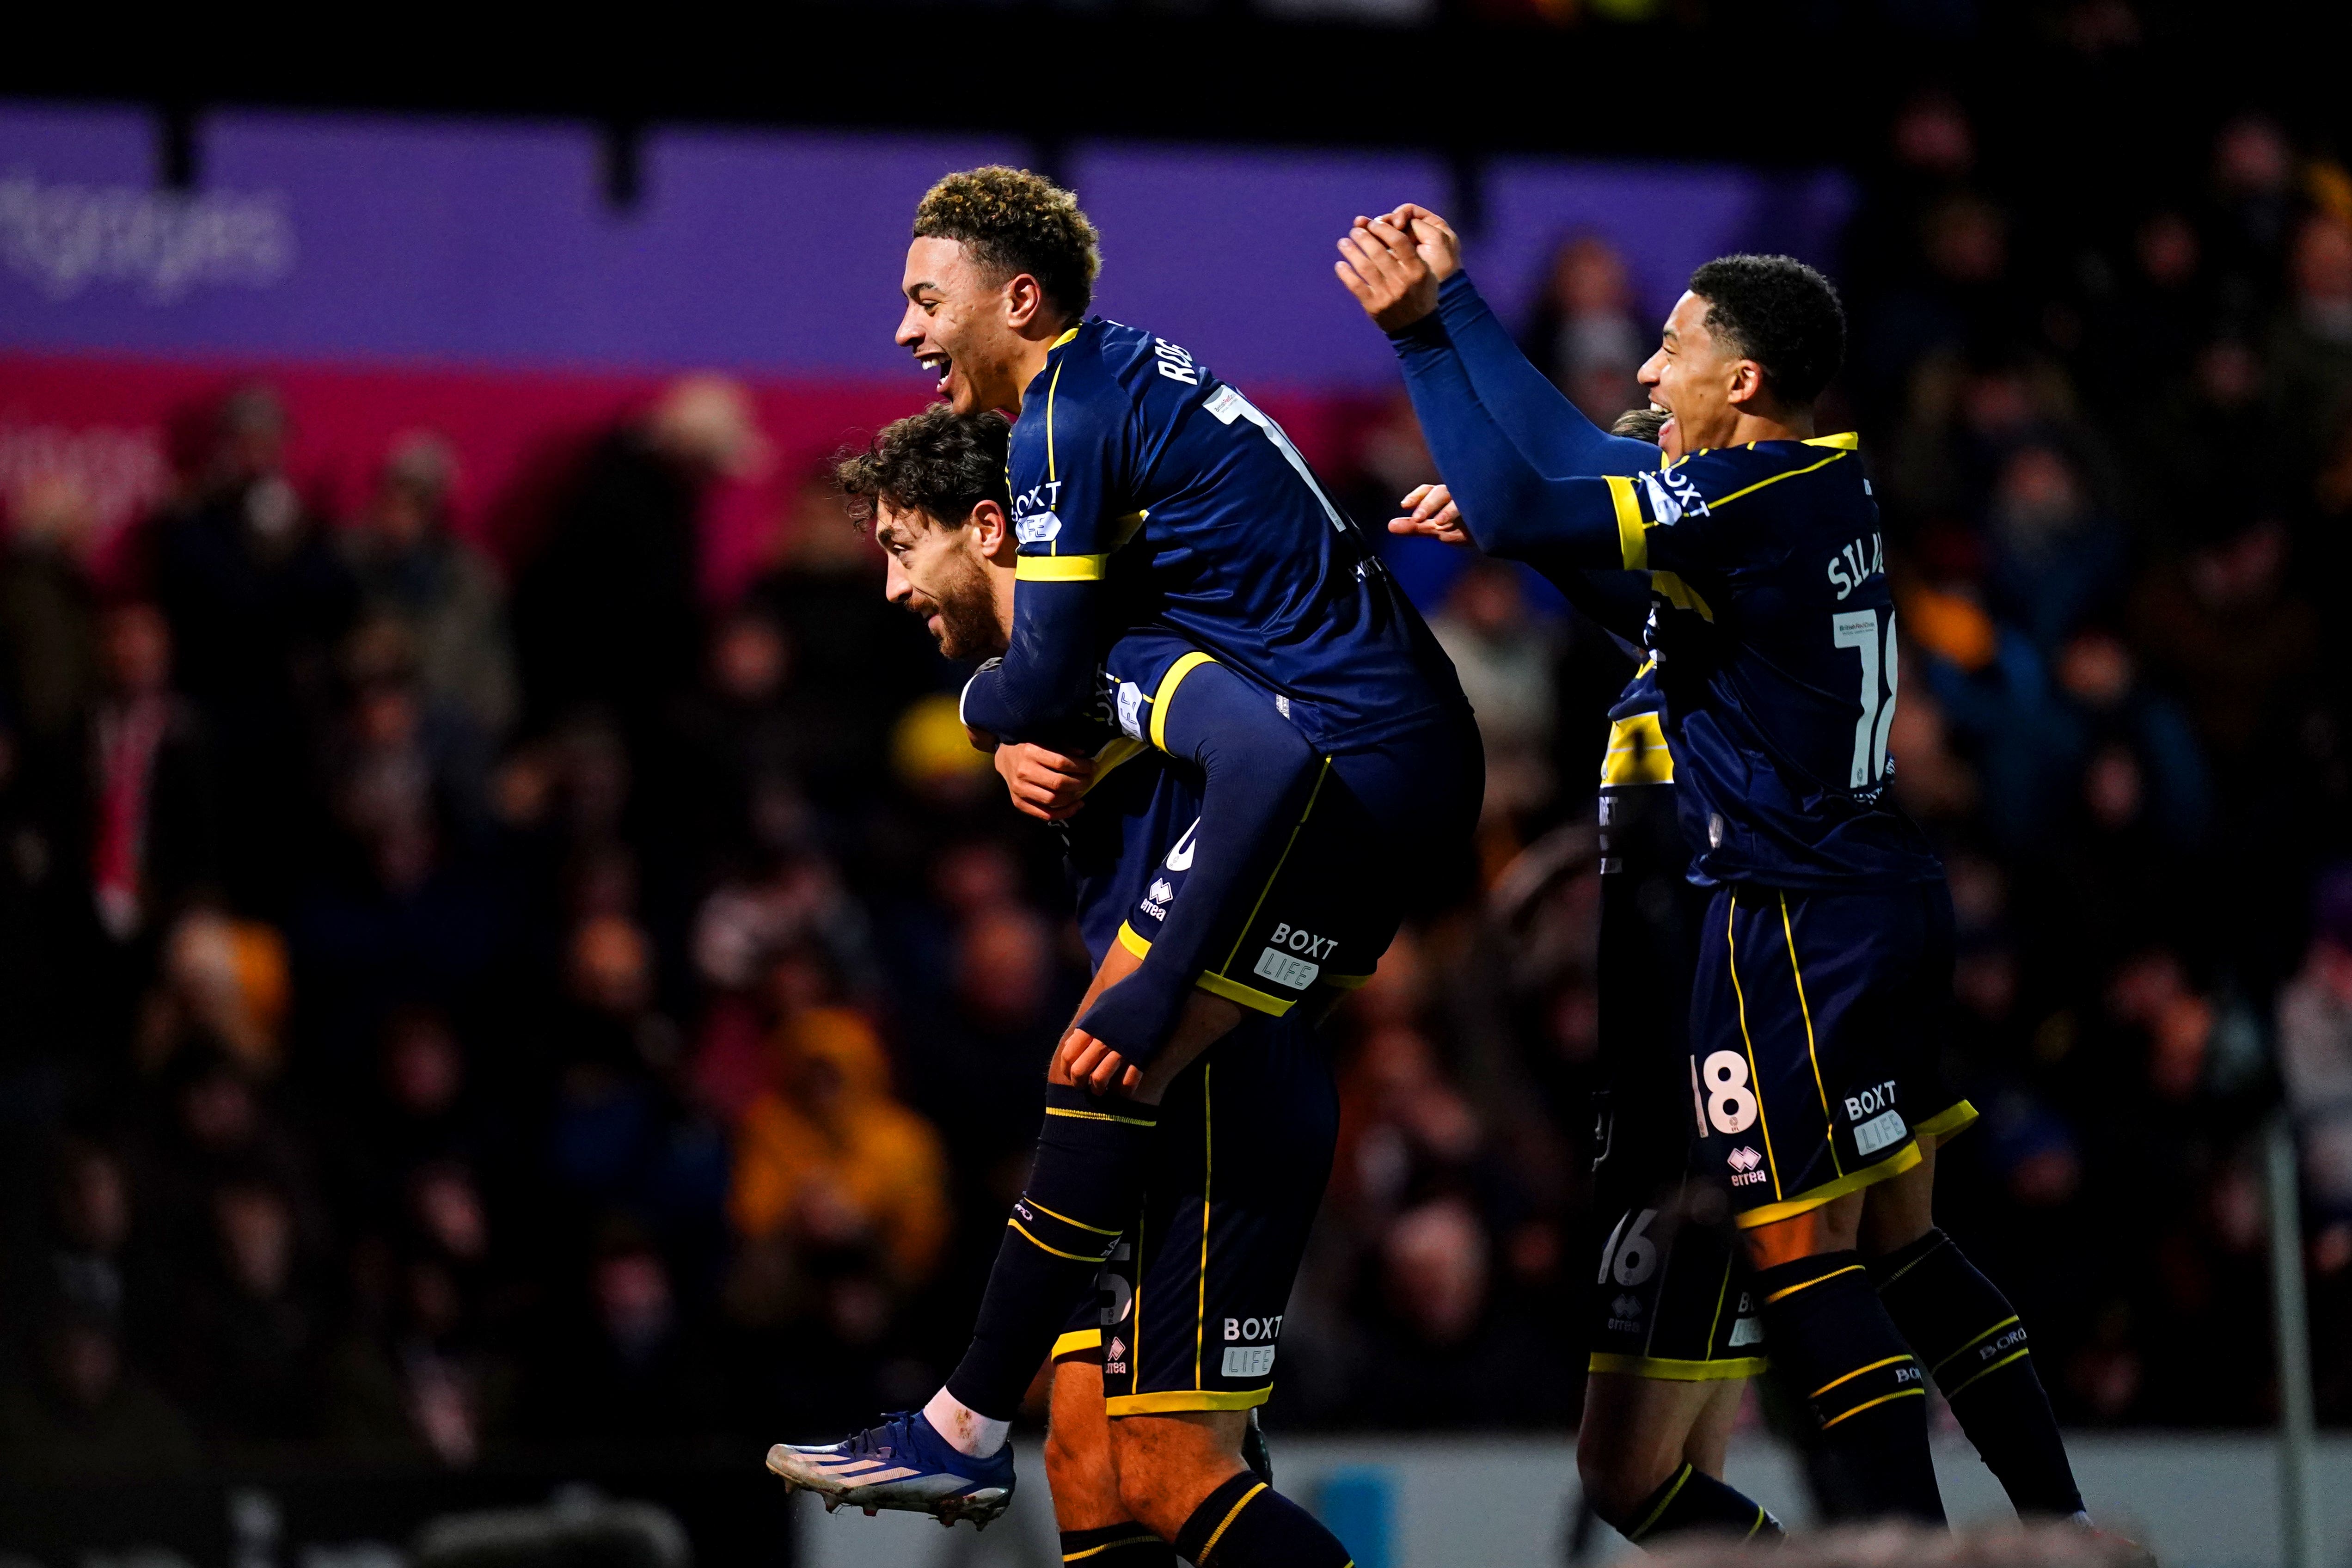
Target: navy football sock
point(1969, 1335)
point(1245, 1523)
point(1124, 1545)
point(1084, 1188)
point(1690, 1498)
point(1259, 776)
point(1831, 1338)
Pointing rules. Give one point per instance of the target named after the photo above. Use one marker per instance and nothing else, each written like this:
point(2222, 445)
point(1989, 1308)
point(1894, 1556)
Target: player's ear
point(1024, 302)
point(991, 531)
point(1745, 392)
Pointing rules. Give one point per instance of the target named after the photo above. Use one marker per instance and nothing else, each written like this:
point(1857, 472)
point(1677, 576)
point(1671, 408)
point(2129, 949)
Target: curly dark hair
point(938, 462)
point(1780, 313)
point(1011, 222)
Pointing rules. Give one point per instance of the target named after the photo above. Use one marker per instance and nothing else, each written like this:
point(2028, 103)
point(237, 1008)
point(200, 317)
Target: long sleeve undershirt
point(1514, 507)
point(1045, 680)
point(1464, 355)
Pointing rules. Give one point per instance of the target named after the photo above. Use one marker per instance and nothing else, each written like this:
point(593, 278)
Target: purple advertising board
point(479, 242)
point(1229, 252)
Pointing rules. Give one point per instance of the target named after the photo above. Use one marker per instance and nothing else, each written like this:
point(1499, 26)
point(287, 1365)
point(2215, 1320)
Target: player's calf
point(1649, 1453)
point(1081, 1193)
point(1975, 1347)
point(1834, 1341)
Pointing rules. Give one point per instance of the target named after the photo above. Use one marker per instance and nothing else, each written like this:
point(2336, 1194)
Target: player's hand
point(1430, 511)
point(1082, 1058)
point(1044, 784)
point(1439, 247)
point(1382, 268)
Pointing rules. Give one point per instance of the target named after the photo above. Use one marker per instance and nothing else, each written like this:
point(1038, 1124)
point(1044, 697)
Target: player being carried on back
point(1146, 492)
point(1822, 980)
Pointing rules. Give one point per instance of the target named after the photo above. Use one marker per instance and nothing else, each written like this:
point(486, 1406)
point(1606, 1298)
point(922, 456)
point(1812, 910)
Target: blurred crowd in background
point(458, 1007)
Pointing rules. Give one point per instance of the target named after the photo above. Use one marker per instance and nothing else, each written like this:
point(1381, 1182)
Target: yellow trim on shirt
point(1632, 542)
point(1776, 478)
point(1680, 594)
point(1130, 939)
point(1060, 568)
point(1051, 387)
point(1637, 753)
point(1845, 441)
point(1076, 1340)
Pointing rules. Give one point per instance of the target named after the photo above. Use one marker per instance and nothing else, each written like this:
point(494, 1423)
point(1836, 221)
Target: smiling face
point(1701, 380)
point(965, 327)
point(948, 576)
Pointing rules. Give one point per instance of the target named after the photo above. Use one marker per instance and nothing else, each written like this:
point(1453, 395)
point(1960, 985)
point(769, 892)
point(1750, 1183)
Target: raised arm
point(1536, 414)
point(1512, 508)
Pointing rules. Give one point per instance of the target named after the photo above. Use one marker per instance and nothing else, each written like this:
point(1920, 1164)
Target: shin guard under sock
point(1083, 1190)
point(1834, 1341)
point(1122, 1545)
point(1690, 1498)
point(1969, 1338)
point(1245, 1523)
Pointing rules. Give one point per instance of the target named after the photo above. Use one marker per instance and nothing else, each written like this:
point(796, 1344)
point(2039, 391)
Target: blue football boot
point(903, 1464)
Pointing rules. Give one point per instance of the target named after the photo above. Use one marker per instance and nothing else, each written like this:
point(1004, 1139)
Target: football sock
point(1124, 1545)
point(1969, 1335)
point(1690, 1498)
point(1833, 1340)
point(1259, 777)
point(1245, 1523)
point(1083, 1187)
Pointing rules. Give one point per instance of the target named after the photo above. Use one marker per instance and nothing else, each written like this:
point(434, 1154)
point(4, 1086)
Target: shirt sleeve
point(1533, 411)
point(1069, 516)
point(1511, 506)
point(1669, 523)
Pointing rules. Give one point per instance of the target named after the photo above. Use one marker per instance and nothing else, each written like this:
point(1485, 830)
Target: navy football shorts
point(1818, 1022)
point(1187, 1312)
point(1378, 825)
point(1672, 1298)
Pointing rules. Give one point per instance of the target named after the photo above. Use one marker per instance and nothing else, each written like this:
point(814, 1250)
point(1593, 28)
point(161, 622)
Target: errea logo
point(1746, 1166)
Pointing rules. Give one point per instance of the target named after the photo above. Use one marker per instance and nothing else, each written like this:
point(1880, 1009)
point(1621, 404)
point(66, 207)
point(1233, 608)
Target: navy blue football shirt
point(1147, 491)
